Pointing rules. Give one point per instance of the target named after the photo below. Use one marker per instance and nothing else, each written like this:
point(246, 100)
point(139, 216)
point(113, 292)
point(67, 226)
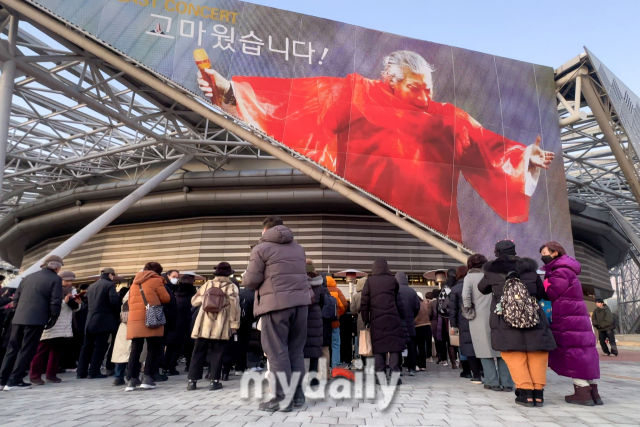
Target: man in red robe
point(391, 139)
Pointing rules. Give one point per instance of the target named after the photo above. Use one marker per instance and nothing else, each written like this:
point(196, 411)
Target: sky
point(544, 32)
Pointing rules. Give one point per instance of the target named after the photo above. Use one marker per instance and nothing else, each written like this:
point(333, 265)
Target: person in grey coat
point(277, 272)
point(102, 321)
point(411, 308)
point(477, 308)
point(38, 302)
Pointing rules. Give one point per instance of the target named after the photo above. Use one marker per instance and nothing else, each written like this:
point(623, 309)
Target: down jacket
point(382, 308)
point(411, 302)
point(459, 321)
point(503, 336)
point(313, 345)
point(335, 292)
point(277, 272)
point(155, 293)
point(576, 355)
point(217, 326)
point(182, 331)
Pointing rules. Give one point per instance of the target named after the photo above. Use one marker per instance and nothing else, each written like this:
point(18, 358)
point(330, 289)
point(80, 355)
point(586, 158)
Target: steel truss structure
point(601, 166)
point(75, 117)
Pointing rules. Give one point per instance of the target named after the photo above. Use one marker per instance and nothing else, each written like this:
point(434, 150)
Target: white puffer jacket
point(63, 327)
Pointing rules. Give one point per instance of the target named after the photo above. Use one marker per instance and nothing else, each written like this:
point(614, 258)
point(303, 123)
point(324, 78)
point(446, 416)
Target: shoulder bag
point(154, 315)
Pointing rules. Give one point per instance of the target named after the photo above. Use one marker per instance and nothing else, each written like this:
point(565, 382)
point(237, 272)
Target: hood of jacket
point(504, 265)
point(143, 276)
point(360, 284)
point(278, 234)
point(331, 282)
point(380, 266)
point(315, 281)
point(564, 261)
point(402, 278)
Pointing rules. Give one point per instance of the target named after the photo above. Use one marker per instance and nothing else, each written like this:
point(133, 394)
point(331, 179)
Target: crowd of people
point(487, 319)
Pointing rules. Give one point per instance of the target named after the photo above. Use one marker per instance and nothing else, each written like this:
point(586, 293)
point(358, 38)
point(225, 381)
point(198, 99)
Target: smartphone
point(81, 294)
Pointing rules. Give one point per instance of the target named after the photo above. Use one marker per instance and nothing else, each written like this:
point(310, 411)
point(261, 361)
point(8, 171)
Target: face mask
point(174, 280)
point(547, 259)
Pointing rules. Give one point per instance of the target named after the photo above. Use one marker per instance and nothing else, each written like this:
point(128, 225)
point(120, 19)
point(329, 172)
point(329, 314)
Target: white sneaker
point(254, 369)
point(445, 363)
point(238, 373)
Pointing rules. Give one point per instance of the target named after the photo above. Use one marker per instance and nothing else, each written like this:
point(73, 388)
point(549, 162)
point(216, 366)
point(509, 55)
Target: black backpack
point(519, 308)
point(330, 308)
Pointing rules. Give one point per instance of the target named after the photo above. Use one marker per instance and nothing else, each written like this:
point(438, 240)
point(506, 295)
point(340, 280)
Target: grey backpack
point(519, 308)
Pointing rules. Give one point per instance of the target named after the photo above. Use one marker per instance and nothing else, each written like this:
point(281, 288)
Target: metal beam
point(106, 218)
point(602, 118)
point(7, 80)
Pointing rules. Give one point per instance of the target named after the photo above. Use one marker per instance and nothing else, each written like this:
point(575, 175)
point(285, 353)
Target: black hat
point(505, 247)
point(223, 269)
point(600, 300)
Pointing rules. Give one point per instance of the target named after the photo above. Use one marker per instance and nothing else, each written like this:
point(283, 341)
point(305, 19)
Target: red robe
point(407, 157)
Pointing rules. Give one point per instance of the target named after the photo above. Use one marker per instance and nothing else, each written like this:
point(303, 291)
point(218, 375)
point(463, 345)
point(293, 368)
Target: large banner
point(465, 142)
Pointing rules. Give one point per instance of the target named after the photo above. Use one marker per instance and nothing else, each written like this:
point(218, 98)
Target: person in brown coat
point(152, 284)
point(423, 332)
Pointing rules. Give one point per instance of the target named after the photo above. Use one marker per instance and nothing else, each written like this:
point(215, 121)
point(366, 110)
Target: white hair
point(395, 63)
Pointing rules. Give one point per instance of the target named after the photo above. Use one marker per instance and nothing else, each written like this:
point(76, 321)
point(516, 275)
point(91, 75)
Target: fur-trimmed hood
point(505, 264)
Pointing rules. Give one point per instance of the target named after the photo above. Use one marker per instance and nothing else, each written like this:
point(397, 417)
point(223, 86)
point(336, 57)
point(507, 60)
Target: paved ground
point(437, 397)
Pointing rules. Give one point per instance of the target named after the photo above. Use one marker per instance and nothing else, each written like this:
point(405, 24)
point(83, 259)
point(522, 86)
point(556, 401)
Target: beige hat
point(67, 275)
point(52, 258)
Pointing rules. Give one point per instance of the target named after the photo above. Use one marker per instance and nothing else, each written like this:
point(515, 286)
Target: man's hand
point(539, 158)
point(52, 321)
point(68, 298)
point(222, 84)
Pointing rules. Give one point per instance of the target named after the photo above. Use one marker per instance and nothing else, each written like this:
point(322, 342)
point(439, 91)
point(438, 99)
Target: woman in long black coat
point(181, 334)
point(383, 310)
point(470, 367)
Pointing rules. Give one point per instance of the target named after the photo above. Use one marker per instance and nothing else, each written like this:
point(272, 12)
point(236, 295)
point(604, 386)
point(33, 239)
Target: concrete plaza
point(437, 397)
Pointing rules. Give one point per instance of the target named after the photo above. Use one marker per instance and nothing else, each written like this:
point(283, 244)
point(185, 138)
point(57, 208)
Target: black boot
point(595, 395)
point(538, 397)
point(191, 385)
point(580, 396)
point(215, 385)
point(525, 397)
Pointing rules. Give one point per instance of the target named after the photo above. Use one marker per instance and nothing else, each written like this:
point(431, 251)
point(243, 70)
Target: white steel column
point(6, 93)
point(106, 218)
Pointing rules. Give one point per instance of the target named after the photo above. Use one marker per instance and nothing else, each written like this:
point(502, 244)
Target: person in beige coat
point(213, 331)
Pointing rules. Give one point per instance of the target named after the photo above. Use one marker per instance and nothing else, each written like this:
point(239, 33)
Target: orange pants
point(528, 369)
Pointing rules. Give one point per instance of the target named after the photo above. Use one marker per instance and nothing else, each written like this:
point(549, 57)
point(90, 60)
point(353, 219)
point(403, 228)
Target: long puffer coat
point(459, 321)
point(382, 308)
point(182, 331)
point(327, 327)
point(576, 355)
point(313, 345)
point(356, 300)
point(503, 336)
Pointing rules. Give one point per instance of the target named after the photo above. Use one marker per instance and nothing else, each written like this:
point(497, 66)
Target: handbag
point(124, 313)
point(454, 338)
point(364, 343)
point(154, 315)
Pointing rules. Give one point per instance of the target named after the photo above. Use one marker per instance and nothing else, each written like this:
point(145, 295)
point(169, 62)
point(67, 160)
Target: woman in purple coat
point(576, 356)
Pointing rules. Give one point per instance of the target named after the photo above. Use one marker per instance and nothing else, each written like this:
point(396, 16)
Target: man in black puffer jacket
point(315, 332)
point(411, 307)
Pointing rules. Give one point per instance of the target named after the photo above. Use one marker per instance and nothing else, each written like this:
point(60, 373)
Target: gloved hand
point(52, 321)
